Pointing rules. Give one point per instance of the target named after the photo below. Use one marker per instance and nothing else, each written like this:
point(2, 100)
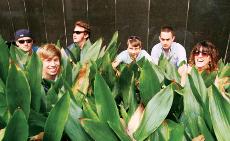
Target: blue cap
point(22, 33)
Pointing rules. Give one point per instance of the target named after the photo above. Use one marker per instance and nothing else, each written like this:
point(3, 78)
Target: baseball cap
point(22, 33)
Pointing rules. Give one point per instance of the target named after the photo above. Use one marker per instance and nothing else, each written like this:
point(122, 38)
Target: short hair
point(212, 52)
point(49, 50)
point(134, 41)
point(167, 28)
point(84, 25)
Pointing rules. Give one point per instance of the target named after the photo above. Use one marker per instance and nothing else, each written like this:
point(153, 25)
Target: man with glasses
point(81, 35)
point(24, 41)
point(171, 50)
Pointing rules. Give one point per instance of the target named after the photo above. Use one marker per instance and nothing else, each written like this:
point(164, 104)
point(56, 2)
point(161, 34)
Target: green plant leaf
point(17, 128)
point(92, 52)
point(18, 93)
point(168, 131)
point(34, 72)
point(4, 60)
point(103, 98)
point(56, 120)
point(154, 114)
point(99, 131)
point(73, 127)
point(220, 114)
point(119, 132)
point(148, 79)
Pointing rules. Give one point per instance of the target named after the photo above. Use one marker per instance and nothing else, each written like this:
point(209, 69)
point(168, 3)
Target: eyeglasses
point(203, 53)
point(134, 37)
point(78, 32)
point(23, 41)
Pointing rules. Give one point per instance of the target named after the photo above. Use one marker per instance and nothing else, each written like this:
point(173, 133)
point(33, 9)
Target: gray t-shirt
point(176, 54)
point(124, 57)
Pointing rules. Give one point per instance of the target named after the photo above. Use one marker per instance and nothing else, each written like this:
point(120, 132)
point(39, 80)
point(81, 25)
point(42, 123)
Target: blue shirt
point(125, 58)
point(176, 53)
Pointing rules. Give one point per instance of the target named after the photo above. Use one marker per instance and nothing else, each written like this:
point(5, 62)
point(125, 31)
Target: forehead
point(166, 35)
point(78, 28)
point(24, 38)
point(131, 46)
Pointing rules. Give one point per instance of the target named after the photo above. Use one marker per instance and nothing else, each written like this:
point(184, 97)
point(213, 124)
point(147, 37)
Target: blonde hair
point(49, 50)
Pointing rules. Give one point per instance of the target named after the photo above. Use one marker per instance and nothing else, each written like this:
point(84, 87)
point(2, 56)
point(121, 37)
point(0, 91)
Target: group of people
point(204, 55)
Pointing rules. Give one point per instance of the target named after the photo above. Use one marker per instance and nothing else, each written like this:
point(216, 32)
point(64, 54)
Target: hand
point(199, 138)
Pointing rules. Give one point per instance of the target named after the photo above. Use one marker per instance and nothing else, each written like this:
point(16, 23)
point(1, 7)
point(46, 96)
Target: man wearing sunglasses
point(23, 40)
point(171, 50)
point(81, 35)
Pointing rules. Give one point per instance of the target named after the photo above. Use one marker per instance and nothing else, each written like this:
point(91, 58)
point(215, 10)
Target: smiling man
point(173, 51)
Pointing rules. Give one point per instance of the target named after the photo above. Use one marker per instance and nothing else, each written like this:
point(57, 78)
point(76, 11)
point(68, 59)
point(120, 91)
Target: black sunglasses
point(23, 41)
point(203, 53)
point(78, 32)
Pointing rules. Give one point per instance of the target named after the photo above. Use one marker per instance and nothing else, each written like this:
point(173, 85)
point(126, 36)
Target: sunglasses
point(134, 37)
point(23, 41)
point(78, 32)
point(203, 53)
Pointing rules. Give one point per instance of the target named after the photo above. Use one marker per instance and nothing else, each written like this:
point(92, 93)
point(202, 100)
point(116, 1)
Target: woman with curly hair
point(204, 57)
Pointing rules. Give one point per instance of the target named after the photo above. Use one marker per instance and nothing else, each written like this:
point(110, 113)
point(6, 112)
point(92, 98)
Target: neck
point(49, 77)
point(81, 44)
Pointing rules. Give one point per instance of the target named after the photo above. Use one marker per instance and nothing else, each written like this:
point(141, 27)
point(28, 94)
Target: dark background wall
point(50, 20)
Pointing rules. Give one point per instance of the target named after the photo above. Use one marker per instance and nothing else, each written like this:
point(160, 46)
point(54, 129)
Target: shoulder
point(157, 46)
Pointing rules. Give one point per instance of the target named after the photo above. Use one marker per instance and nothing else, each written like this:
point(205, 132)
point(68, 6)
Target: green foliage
point(89, 100)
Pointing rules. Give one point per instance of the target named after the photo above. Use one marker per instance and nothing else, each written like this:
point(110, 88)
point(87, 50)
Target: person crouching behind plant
point(204, 57)
point(50, 56)
point(134, 52)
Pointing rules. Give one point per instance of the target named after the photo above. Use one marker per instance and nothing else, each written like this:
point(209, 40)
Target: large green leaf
point(18, 93)
point(127, 89)
point(168, 131)
point(73, 127)
point(148, 79)
point(123, 136)
point(34, 72)
point(4, 59)
point(17, 128)
point(105, 104)
point(220, 114)
point(113, 46)
point(88, 111)
point(92, 53)
point(18, 56)
point(99, 131)
point(154, 114)
point(56, 120)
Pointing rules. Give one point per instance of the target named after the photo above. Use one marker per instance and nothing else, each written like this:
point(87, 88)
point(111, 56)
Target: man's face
point(51, 66)
point(133, 51)
point(25, 44)
point(79, 35)
point(166, 39)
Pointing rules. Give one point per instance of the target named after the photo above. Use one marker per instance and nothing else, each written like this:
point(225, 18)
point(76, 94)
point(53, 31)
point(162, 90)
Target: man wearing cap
point(24, 41)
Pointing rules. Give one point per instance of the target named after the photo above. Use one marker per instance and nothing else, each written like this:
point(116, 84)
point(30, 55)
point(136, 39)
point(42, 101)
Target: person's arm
point(155, 53)
point(184, 70)
point(115, 63)
point(147, 56)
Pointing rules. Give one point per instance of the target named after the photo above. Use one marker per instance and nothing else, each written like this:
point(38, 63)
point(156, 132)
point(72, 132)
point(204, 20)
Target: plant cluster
point(89, 101)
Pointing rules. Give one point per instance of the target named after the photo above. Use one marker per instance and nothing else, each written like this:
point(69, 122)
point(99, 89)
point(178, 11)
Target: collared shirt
point(124, 57)
point(176, 54)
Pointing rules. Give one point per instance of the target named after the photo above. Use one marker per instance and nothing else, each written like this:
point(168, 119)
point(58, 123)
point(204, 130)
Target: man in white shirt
point(171, 50)
point(133, 52)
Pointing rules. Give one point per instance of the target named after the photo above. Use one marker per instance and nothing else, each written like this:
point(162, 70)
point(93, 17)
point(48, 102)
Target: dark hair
point(210, 48)
point(84, 25)
point(135, 41)
point(167, 28)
